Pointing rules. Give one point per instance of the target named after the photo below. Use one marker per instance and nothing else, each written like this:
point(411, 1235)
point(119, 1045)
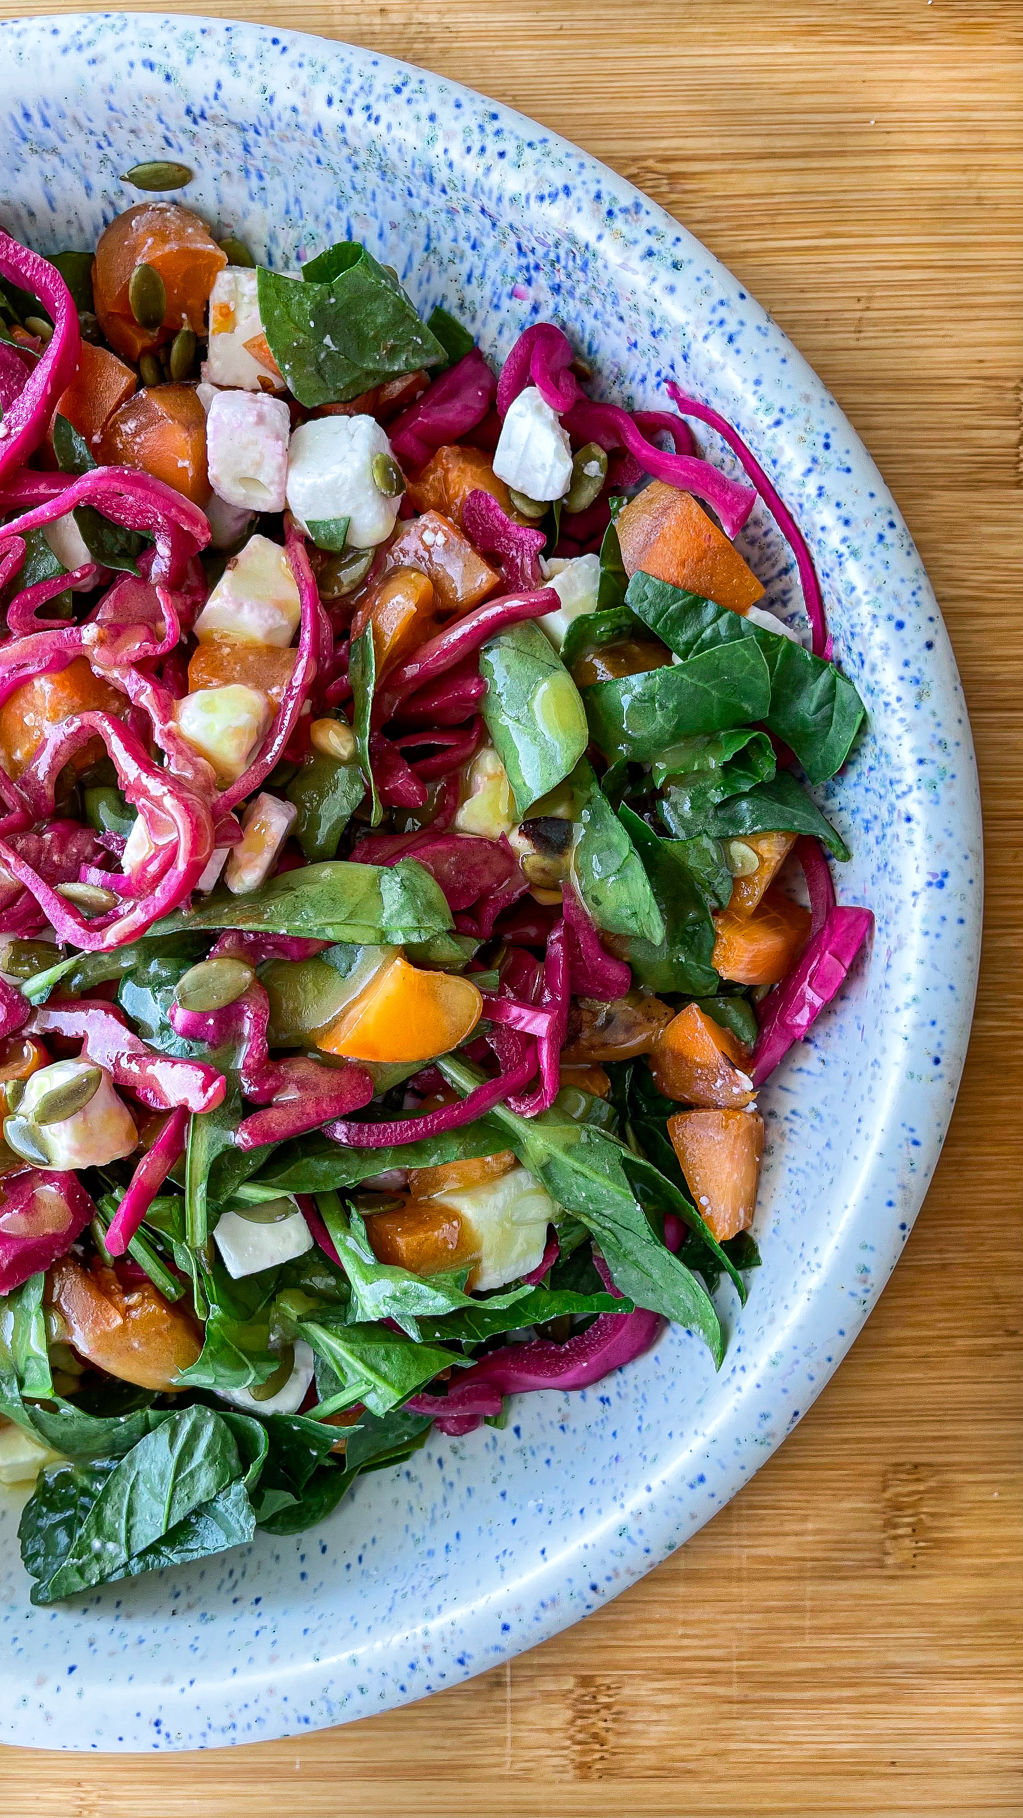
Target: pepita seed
point(22, 1136)
point(159, 173)
point(147, 297)
point(213, 983)
point(182, 354)
point(265, 1211)
point(71, 1096)
point(742, 859)
point(24, 959)
point(589, 471)
point(524, 505)
point(150, 370)
point(91, 899)
point(265, 1391)
point(38, 325)
point(333, 738)
point(387, 476)
point(236, 250)
point(14, 1092)
point(341, 574)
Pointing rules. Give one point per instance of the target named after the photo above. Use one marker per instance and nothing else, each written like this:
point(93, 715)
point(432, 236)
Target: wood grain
point(845, 1638)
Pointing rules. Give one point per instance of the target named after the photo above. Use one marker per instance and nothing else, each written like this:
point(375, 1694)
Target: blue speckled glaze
point(482, 1546)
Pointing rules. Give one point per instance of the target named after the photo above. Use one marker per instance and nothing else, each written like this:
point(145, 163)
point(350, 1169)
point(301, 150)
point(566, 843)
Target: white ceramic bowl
point(482, 1546)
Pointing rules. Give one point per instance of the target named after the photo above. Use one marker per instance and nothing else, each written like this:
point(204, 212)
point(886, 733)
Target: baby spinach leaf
point(209, 1132)
point(582, 1169)
point(637, 716)
point(81, 1435)
point(686, 622)
point(705, 861)
point(329, 533)
point(326, 793)
point(70, 448)
point(592, 630)
point(658, 1193)
point(316, 1165)
point(23, 1350)
point(109, 543)
point(362, 673)
point(89, 1523)
point(146, 994)
point(532, 710)
point(383, 1291)
point(234, 1355)
point(483, 1319)
point(76, 270)
point(734, 1013)
point(345, 328)
point(681, 959)
point(383, 1439)
point(448, 331)
point(369, 905)
point(781, 805)
point(372, 1363)
point(814, 707)
point(40, 564)
point(731, 761)
point(608, 872)
point(611, 589)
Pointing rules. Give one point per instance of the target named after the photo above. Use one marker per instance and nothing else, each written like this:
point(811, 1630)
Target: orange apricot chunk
point(402, 611)
point(162, 431)
point(699, 1063)
point(179, 247)
point(99, 387)
point(132, 1333)
point(264, 666)
point(719, 1153)
point(426, 1237)
point(404, 1014)
point(48, 700)
point(772, 849)
point(448, 478)
point(759, 949)
point(456, 1176)
point(433, 544)
point(666, 533)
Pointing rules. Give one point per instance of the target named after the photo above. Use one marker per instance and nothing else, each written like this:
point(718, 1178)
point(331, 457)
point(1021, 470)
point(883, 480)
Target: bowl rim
point(667, 1515)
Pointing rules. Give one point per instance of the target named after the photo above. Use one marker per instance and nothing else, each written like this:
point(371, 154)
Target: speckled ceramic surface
point(485, 1545)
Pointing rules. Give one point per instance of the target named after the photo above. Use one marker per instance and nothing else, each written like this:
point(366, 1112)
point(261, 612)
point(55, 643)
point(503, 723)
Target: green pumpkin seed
point(147, 297)
point(742, 859)
point(150, 370)
point(341, 574)
point(71, 1096)
point(525, 506)
point(14, 1092)
point(21, 1135)
point(333, 738)
point(89, 898)
point(38, 325)
point(237, 251)
point(387, 476)
point(159, 173)
point(589, 471)
point(266, 1211)
point(265, 1391)
point(213, 984)
point(182, 354)
point(24, 959)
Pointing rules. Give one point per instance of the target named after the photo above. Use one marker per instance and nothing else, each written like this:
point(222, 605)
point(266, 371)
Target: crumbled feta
point(225, 725)
point(102, 1131)
point(247, 449)
point(575, 580)
point(289, 1396)
point(255, 600)
point(769, 621)
point(69, 546)
point(508, 1219)
point(489, 808)
point(261, 1236)
point(22, 1457)
point(330, 475)
point(234, 320)
point(534, 454)
point(266, 823)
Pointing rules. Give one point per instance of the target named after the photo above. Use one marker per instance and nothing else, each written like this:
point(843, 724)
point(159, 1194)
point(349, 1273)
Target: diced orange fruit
point(699, 1063)
point(263, 666)
point(48, 700)
point(592, 1079)
point(425, 1237)
point(162, 431)
point(450, 475)
point(719, 1153)
point(759, 949)
point(404, 1014)
point(133, 1334)
point(402, 610)
point(772, 849)
point(20, 1056)
point(611, 1032)
point(456, 1176)
point(179, 247)
point(99, 387)
point(630, 656)
point(667, 534)
point(259, 347)
point(436, 546)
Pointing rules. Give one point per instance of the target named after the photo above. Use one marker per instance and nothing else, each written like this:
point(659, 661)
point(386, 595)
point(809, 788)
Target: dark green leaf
point(609, 873)
point(39, 564)
point(730, 761)
point(637, 716)
point(448, 331)
point(369, 905)
point(109, 543)
point(483, 1319)
point(326, 793)
point(705, 861)
point(70, 448)
point(373, 1364)
point(532, 710)
point(348, 326)
point(734, 1013)
point(613, 578)
point(146, 994)
point(814, 707)
point(592, 630)
point(362, 673)
point(781, 805)
point(316, 1165)
point(686, 622)
point(329, 533)
point(23, 1349)
point(76, 270)
point(681, 960)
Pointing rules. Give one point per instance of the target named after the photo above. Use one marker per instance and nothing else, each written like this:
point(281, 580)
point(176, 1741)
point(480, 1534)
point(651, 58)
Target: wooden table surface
point(845, 1637)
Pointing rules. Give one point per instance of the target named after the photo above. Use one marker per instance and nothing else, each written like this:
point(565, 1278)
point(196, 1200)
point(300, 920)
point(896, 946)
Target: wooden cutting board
point(845, 1638)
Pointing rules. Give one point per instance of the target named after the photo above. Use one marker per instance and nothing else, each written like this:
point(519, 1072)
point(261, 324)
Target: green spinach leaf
point(373, 1364)
point(338, 900)
point(681, 960)
point(362, 673)
point(70, 448)
point(23, 1350)
point(637, 716)
point(782, 805)
point(455, 340)
point(533, 712)
point(608, 872)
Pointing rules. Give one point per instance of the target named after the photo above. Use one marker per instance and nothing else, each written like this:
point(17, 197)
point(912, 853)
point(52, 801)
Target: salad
point(408, 878)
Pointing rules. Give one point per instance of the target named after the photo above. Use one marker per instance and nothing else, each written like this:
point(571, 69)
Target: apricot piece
point(719, 1153)
point(179, 248)
point(696, 1061)
point(262, 666)
point(404, 1014)
point(667, 534)
point(402, 611)
point(101, 384)
point(771, 849)
point(759, 949)
point(433, 544)
point(48, 700)
point(132, 1333)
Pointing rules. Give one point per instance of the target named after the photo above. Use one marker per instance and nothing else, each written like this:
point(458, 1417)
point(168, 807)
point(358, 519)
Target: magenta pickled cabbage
point(41, 1214)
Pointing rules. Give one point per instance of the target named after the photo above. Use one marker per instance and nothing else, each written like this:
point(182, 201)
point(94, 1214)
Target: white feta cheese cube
point(508, 1218)
point(330, 475)
point(234, 323)
point(769, 621)
point(225, 725)
point(266, 823)
point(289, 1397)
point(102, 1131)
point(575, 580)
point(255, 600)
point(69, 546)
point(22, 1457)
point(247, 449)
point(533, 453)
point(261, 1236)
